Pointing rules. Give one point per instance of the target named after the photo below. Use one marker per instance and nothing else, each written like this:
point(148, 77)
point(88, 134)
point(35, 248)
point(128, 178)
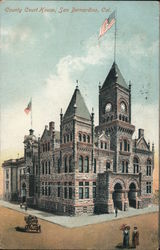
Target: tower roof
point(115, 76)
point(77, 102)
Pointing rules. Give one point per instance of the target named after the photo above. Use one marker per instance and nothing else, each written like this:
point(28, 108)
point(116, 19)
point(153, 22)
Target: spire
point(114, 76)
point(78, 102)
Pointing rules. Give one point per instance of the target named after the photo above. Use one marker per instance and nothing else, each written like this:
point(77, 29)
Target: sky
point(47, 45)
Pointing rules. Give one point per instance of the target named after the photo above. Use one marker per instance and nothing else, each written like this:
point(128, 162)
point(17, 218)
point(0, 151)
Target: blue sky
point(42, 55)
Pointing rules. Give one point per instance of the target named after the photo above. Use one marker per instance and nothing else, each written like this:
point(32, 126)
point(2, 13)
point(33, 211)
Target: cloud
point(15, 36)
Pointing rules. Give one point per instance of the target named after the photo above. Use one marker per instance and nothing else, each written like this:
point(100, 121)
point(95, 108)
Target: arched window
point(84, 138)
point(125, 145)
point(67, 138)
point(149, 168)
point(80, 137)
point(123, 166)
point(64, 139)
point(81, 164)
point(135, 165)
point(65, 164)
point(86, 165)
point(108, 165)
point(88, 138)
point(70, 164)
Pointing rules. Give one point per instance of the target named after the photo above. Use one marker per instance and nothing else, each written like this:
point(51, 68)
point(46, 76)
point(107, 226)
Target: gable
point(142, 144)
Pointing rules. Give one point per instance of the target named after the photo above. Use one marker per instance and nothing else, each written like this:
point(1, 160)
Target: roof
point(78, 102)
point(114, 76)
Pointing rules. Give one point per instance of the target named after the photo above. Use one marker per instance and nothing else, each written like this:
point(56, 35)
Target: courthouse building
point(86, 168)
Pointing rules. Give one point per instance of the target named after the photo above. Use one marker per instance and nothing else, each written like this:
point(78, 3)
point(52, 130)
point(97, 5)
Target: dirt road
point(98, 236)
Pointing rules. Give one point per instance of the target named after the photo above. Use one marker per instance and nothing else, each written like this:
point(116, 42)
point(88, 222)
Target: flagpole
point(31, 112)
point(115, 36)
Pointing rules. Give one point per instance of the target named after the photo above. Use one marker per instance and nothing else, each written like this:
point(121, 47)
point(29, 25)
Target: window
point(42, 188)
point(65, 192)
point(59, 170)
point(49, 167)
point(84, 138)
point(70, 190)
point(70, 164)
point(64, 139)
point(86, 190)
point(86, 165)
point(7, 174)
point(122, 166)
point(120, 117)
point(120, 146)
point(108, 165)
point(101, 144)
point(7, 185)
point(46, 167)
point(70, 136)
point(125, 145)
point(43, 147)
point(80, 190)
point(59, 190)
point(88, 138)
point(94, 190)
point(67, 138)
point(48, 146)
point(46, 188)
point(135, 165)
point(49, 189)
point(128, 147)
point(95, 165)
point(81, 164)
point(65, 164)
point(126, 166)
point(105, 145)
point(149, 168)
point(80, 137)
point(148, 187)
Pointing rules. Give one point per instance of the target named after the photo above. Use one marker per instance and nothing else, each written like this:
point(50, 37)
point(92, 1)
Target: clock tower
point(115, 113)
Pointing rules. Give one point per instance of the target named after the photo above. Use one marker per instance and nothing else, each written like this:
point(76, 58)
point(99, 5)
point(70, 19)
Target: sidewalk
point(78, 221)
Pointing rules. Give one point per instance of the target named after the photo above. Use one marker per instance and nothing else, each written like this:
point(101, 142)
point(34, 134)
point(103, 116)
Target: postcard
point(79, 107)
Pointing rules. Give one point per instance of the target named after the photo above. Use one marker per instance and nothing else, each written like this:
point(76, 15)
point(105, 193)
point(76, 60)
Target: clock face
point(108, 107)
point(123, 107)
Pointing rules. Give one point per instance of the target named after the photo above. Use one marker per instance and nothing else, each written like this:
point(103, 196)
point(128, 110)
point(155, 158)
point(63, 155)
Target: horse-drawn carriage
point(32, 224)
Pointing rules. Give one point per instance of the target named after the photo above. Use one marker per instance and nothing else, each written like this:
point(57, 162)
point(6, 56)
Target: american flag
point(29, 107)
point(107, 24)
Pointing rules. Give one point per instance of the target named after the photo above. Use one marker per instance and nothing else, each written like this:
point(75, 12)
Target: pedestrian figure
point(116, 211)
point(126, 237)
point(135, 237)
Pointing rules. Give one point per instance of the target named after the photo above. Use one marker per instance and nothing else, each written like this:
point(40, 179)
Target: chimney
point(140, 133)
point(51, 126)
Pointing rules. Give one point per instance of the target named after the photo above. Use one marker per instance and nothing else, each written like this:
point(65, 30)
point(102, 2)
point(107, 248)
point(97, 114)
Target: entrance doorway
point(117, 196)
point(132, 195)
